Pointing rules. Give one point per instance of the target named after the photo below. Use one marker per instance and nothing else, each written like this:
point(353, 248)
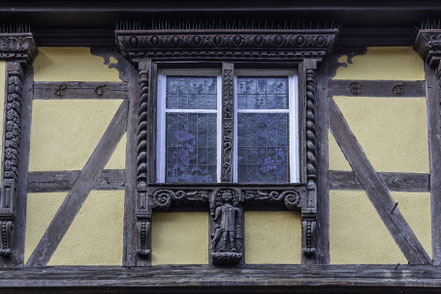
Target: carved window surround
point(147, 48)
point(18, 49)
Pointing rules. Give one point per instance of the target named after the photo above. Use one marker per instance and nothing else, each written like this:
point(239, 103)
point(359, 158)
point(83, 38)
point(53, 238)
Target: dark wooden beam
point(375, 189)
point(80, 190)
point(208, 279)
point(434, 133)
point(404, 182)
point(61, 181)
point(80, 90)
point(365, 88)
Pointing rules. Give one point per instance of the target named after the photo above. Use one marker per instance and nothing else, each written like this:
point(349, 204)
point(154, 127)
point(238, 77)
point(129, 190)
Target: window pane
point(263, 147)
point(191, 147)
point(262, 92)
point(191, 92)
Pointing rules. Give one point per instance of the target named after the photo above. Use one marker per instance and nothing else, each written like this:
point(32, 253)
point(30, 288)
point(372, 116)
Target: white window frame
point(162, 110)
point(293, 116)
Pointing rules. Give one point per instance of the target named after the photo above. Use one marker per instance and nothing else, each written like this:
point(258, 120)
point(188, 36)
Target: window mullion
point(227, 140)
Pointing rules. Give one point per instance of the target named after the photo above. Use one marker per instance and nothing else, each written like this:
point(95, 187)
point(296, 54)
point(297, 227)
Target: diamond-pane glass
point(262, 92)
point(263, 147)
point(191, 147)
point(191, 92)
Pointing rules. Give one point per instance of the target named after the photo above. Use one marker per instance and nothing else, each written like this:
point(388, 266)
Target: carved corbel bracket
point(428, 45)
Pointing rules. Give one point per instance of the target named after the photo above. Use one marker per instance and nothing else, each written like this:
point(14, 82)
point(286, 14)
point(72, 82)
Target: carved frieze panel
point(223, 42)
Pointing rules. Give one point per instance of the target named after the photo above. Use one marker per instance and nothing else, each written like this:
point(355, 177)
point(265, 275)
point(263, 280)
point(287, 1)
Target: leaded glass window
point(190, 126)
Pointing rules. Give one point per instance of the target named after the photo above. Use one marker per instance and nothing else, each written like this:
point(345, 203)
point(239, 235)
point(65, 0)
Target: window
point(189, 126)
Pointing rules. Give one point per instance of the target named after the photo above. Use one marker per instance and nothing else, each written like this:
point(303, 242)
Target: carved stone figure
point(227, 234)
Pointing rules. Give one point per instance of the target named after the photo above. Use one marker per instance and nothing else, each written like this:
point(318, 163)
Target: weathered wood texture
point(80, 90)
point(80, 190)
point(323, 256)
point(365, 88)
point(375, 189)
point(130, 238)
point(204, 278)
point(434, 132)
point(61, 181)
point(404, 182)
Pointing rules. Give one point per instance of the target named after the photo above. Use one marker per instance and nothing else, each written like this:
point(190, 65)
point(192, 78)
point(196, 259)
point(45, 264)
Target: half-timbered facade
point(263, 146)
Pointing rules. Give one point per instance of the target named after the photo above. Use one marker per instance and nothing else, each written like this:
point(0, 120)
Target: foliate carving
point(227, 227)
point(428, 45)
point(227, 126)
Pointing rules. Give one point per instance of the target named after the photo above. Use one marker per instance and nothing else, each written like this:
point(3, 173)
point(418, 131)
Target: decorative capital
point(19, 47)
point(428, 45)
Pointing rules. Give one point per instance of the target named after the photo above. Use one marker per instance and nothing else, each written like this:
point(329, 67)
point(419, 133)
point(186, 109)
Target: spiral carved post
point(309, 211)
point(143, 210)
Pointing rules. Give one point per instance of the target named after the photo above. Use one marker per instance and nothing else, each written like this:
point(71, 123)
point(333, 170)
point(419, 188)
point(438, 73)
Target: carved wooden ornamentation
point(190, 41)
point(19, 50)
point(143, 210)
point(227, 123)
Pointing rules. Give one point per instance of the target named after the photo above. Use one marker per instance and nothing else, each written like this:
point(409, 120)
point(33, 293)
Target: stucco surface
point(391, 131)
point(272, 237)
point(180, 238)
point(64, 133)
point(72, 64)
point(358, 236)
point(95, 236)
point(383, 63)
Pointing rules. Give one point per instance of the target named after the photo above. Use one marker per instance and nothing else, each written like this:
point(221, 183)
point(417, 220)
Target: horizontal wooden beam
point(61, 181)
point(203, 278)
point(404, 182)
point(366, 88)
point(80, 90)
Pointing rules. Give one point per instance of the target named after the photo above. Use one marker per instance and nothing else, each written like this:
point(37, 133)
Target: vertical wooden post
point(309, 210)
point(143, 209)
point(20, 53)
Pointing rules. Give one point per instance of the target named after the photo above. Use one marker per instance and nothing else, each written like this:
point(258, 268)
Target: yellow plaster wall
point(272, 237)
point(64, 134)
point(358, 236)
point(391, 131)
point(393, 134)
point(180, 238)
point(383, 63)
point(72, 64)
point(95, 236)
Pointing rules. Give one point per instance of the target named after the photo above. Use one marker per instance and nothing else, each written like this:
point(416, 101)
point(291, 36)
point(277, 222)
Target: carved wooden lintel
point(223, 43)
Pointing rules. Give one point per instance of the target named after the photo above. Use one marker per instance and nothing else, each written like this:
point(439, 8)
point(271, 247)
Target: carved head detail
point(227, 196)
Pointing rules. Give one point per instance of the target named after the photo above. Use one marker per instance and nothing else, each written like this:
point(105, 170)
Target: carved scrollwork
point(355, 88)
point(162, 199)
point(398, 89)
point(292, 199)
